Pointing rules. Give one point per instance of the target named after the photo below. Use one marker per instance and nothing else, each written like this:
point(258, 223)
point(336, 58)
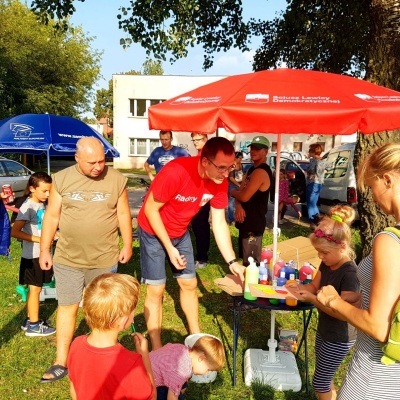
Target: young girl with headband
point(335, 337)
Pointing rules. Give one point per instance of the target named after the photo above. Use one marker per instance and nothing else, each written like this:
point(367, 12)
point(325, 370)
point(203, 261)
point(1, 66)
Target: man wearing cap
point(252, 201)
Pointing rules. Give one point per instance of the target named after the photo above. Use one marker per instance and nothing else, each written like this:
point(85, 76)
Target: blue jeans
point(231, 205)
point(162, 392)
point(153, 255)
point(313, 190)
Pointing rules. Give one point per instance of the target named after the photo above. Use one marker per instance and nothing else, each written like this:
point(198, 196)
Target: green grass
point(24, 359)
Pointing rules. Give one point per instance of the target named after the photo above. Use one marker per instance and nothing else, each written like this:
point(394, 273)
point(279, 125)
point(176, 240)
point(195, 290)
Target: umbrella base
point(282, 374)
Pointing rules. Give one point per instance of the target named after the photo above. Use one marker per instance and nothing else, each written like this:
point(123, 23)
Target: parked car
point(15, 174)
point(271, 159)
point(340, 181)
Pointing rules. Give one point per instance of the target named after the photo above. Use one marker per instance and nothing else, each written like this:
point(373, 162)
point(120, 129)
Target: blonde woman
point(379, 275)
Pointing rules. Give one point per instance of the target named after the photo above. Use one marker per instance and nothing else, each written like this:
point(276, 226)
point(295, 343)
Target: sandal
point(58, 372)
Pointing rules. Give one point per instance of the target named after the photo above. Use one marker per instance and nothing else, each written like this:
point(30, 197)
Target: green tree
point(103, 106)
point(171, 26)
point(359, 38)
point(43, 70)
point(315, 35)
point(151, 67)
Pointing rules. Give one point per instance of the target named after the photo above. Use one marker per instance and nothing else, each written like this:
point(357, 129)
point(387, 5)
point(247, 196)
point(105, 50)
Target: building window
point(139, 107)
point(297, 146)
point(142, 147)
point(154, 102)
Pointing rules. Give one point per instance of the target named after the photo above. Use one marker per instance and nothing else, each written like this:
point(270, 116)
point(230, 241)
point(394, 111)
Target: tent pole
point(272, 343)
point(48, 160)
point(276, 231)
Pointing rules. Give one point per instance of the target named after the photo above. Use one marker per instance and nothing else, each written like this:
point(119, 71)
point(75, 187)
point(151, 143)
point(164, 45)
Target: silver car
point(15, 174)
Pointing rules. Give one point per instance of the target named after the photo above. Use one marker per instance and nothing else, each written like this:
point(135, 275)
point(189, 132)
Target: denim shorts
point(71, 281)
point(153, 256)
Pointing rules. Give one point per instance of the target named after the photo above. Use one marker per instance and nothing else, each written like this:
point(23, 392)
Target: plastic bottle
point(296, 272)
point(263, 273)
point(281, 281)
point(304, 271)
point(291, 301)
point(252, 273)
point(287, 269)
point(307, 280)
point(274, 302)
point(277, 266)
point(266, 254)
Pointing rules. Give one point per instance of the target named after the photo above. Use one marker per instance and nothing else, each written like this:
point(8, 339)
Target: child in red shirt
point(99, 366)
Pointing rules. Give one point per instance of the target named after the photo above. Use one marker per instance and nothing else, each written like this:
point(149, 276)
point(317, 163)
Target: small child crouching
point(174, 363)
point(100, 367)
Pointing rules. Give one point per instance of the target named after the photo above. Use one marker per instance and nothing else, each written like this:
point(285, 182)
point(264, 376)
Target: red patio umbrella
point(281, 101)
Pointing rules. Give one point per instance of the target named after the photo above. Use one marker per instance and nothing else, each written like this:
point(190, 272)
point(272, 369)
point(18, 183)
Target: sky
point(98, 19)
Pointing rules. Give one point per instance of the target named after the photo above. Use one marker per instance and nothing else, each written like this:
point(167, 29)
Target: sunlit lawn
point(24, 359)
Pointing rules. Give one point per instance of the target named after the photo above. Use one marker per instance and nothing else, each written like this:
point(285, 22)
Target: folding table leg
point(237, 310)
point(306, 322)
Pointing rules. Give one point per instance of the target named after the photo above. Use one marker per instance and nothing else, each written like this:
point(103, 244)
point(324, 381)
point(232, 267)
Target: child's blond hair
point(213, 351)
point(334, 229)
point(108, 298)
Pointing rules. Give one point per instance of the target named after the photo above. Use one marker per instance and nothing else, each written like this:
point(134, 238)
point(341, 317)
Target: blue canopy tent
point(46, 133)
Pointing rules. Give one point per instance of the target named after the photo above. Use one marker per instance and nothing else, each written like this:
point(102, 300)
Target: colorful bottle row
point(282, 274)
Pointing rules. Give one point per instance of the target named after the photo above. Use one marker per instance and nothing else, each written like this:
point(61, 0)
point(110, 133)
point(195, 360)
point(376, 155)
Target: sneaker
point(40, 329)
point(200, 264)
point(281, 221)
point(25, 324)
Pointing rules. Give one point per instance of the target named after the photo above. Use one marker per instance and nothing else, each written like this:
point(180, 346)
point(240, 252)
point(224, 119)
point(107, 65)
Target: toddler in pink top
point(174, 363)
point(284, 198)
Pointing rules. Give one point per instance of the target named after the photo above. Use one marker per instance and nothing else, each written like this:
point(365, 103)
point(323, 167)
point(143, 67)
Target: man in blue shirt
point(163, 154)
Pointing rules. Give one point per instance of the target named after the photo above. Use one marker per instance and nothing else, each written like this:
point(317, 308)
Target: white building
point(134, 94)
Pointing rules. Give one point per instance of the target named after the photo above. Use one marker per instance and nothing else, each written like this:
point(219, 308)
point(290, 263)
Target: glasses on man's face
point(197, 140)
point(223, 169)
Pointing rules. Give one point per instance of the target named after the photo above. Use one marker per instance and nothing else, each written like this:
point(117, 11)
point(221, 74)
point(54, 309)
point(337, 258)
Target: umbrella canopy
point(282, 101)
point(46, 133)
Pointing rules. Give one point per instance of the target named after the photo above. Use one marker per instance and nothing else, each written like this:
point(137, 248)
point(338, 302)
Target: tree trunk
point(383, 69)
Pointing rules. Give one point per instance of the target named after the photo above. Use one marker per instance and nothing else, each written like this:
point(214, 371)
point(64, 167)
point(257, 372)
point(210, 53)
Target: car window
point(14, 169)
point(3, 171)
point(337, 164)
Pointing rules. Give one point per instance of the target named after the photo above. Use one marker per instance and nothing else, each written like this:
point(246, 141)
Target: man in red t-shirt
point(175, 195)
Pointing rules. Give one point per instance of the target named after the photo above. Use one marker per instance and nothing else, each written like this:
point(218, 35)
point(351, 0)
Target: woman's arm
point(385, 284)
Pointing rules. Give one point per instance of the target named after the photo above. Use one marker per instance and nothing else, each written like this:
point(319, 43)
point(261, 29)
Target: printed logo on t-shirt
point(165, 159)
point(88, 196)
point(187, 199)
point(205, 199)
point(39, 216)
